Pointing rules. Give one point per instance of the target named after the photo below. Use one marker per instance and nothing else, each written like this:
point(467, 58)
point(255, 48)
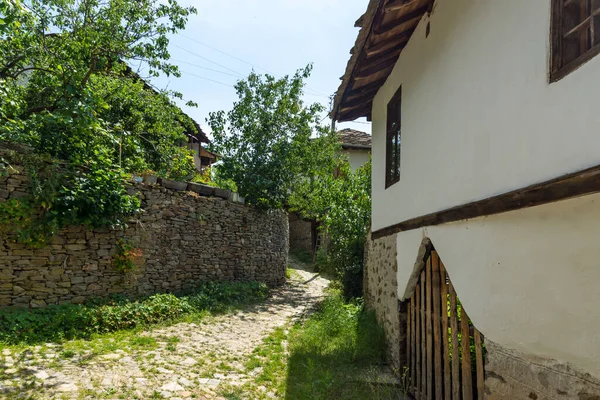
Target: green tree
point(342, 203)
point(271, 142)
point(11, 12)
point(66, 90)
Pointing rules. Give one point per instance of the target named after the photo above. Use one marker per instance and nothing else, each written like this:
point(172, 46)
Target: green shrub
point(73, 321)
point(302, 255)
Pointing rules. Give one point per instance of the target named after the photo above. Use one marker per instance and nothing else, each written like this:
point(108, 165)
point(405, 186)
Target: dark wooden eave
point(568, 186)
point(386, 28)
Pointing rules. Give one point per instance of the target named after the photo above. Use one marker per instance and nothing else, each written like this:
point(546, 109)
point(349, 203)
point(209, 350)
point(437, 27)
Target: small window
point(392, 140)
point(575, 35)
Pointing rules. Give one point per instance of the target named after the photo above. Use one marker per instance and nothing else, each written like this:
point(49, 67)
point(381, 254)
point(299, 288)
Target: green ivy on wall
point(64, 195)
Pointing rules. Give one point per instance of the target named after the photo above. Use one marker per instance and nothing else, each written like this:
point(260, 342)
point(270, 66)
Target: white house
point(356, 147)
point(486, 153)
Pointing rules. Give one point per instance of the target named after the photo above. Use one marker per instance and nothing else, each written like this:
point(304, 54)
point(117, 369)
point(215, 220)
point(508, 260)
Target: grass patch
point(327, 354)
point(73, 321)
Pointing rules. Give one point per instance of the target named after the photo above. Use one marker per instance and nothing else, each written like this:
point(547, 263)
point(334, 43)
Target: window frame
point(394, 115)
point(558, 69)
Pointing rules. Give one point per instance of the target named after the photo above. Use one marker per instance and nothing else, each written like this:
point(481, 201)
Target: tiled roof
point(353, 139)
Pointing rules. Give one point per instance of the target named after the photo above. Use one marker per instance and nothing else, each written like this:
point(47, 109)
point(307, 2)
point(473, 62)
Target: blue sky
point(277, 35)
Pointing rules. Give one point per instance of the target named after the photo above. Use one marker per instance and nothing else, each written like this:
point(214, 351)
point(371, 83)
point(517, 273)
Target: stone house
point(485, 192)
point(356, 147)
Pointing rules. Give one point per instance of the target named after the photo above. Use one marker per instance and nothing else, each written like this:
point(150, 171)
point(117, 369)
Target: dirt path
point(182, 361)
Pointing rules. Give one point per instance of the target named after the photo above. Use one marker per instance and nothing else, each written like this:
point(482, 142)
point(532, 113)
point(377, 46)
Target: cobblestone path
point(183, 361)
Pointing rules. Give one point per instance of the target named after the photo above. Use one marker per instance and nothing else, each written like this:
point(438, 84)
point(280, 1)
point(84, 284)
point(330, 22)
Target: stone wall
point(380, 291)
point(516, 376)
point(301, 233)
point(184, 238)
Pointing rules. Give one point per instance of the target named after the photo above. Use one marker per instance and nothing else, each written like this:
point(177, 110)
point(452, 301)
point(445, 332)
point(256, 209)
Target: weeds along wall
point(181, 238)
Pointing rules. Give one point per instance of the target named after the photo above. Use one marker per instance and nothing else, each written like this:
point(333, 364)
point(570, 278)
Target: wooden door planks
point(437, 335)
point(479, 364)
point(429, 327)
point(467, 380)
point(455, 348)
point(438, 342)
point(445, 338)
point(418, 343)
point(423, 342)
point(413, 341)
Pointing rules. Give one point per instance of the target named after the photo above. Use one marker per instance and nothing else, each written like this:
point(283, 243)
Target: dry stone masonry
point(380, 291)
point(184, 238)
point(301, 233)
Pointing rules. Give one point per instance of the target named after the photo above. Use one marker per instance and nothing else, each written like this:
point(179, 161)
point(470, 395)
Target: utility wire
point(206, 68)
point(225, 53)
point(207, 79)
point(210, 61)
point(239, 59)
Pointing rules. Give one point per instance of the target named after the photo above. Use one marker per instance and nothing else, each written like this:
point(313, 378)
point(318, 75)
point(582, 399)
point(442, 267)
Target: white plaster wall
point(479, 116)
point(357, 158)
point(529, 279)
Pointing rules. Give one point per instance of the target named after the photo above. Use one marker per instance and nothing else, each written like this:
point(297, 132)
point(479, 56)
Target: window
point(392, 140)
point(575, 35)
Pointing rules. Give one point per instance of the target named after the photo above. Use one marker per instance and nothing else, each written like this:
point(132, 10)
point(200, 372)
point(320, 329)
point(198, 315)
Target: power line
point(206, 68)
point(208, 79)
point(210, 61)
point(239, 59)
point(225, 53)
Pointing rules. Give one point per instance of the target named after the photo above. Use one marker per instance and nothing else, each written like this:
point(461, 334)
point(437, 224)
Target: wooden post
point(437, 337)
point(467, 377)
point(479, 365)
point(429, 331)
point(455, 347)
point(418, 343)
point(445, 337)
point(423, 341)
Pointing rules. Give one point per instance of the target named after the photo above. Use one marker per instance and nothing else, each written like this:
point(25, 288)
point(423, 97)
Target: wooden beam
point(387, 44)
point(349, 109)
point(368, 62)
point(565, 187)
point(387, 65)
point(355, 102)
point(366, 88)
point(362, 95)
point(396, 5)
point(391, 26)
point(355, 114)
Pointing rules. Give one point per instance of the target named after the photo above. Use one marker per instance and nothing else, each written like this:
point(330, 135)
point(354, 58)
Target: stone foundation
point(184, 239)
point(516, 376)
point(381, 291)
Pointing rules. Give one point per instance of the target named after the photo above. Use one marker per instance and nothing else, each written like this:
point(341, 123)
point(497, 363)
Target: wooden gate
point(441, 365)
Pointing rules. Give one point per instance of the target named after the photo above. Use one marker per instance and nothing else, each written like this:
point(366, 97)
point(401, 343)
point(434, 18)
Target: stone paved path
point(186, 360)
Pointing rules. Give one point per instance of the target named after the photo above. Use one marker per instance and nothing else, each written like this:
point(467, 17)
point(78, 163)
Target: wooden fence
point(441, 365)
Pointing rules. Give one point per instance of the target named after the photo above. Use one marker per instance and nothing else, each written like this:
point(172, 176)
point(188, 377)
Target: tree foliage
point(67, 91)
point(343, 205)
point(271, 141)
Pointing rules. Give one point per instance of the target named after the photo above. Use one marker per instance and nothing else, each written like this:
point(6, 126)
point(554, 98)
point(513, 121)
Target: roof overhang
point(386, 28)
